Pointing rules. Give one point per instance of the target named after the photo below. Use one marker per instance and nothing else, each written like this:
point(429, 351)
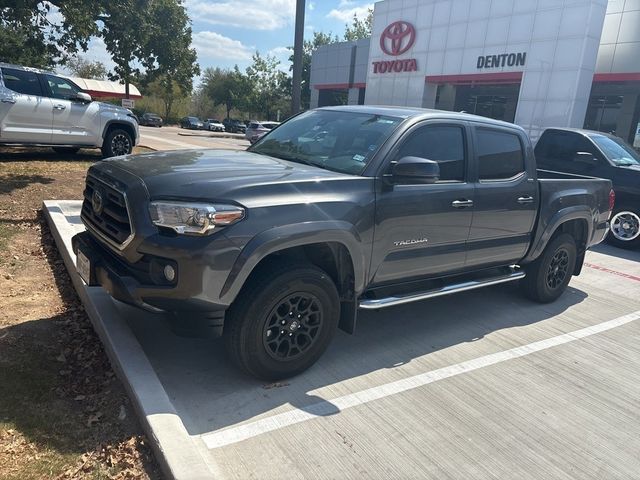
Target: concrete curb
point(175, 449)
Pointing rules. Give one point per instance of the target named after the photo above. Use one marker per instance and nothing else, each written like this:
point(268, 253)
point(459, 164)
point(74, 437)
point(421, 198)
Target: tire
point(66, 150)
point(117, 142)
point(259, 343)
point(625, 227)
point(548, 276)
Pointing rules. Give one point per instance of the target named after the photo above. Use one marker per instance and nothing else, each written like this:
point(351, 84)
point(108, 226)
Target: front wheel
point(548, 276)
point(282, 321)
point(625, 227)
point(117, 142)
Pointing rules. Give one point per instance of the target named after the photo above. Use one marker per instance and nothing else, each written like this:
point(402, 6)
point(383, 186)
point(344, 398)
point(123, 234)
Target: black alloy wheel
point(282, 321)
point(549, 275)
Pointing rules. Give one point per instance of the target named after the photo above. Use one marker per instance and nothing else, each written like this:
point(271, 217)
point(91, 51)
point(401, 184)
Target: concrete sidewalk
point(481, 385)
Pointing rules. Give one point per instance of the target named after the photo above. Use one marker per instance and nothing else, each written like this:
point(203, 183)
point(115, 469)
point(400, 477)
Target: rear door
point(74, 122)
point(506, 198)
point(25, 113)
point(422, 230)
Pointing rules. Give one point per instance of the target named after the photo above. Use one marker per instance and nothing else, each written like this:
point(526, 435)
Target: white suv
point(41, 108)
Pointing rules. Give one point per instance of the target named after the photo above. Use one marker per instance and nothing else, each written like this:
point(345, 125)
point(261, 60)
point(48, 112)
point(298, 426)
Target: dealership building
point(538, 63)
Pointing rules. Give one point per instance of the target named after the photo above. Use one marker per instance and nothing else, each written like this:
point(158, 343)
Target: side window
point(21, 81)
point(444, 144)
point(500, 154)
point(562, 146)
point(61, 87)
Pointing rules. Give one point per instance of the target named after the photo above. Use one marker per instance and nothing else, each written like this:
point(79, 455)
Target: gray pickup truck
point(337, 209)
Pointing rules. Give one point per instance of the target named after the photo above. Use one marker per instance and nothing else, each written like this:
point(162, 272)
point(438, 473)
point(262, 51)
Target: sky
point(228, 32)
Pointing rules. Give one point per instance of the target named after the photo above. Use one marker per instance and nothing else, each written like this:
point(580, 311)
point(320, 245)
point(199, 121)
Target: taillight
point(612, 199)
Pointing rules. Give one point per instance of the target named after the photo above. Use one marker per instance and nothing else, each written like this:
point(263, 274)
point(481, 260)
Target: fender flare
point(289, 236)
point(576, 212)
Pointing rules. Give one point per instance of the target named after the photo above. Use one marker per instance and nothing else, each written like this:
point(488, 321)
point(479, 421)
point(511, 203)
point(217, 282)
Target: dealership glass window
point(333, 97)
point(500, 154)
point(21, 81)
point(492, 101)
point(614, 107)
point(444, 144)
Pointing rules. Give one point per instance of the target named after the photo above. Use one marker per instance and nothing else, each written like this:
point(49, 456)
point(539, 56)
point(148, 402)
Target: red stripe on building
point(616, 77)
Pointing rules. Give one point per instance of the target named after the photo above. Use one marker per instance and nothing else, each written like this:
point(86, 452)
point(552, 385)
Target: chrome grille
point(111, 220)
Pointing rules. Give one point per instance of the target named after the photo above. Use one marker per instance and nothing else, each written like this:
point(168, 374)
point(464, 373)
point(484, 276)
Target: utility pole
point(297, 57)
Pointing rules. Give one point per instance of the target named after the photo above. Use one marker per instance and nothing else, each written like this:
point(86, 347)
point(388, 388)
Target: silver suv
point(45, 109)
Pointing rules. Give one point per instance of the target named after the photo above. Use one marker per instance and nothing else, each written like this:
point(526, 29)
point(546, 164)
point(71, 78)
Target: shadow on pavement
point(209, 394)
point(606, 249)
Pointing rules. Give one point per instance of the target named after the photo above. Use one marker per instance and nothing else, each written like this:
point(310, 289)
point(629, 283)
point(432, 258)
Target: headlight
point(194, 218)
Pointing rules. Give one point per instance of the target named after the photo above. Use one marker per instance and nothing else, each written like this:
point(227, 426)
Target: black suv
point(598, 154)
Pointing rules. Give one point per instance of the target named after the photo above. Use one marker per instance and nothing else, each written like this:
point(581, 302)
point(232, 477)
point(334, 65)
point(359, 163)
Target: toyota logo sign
point(397, 38)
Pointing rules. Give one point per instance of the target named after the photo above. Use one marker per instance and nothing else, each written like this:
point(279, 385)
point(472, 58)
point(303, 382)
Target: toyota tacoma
point(337, 209)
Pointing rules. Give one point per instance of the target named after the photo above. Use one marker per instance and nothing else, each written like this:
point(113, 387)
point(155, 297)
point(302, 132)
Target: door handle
point(59, 107)
point(462, 203)
point(8, 100)
point(527, 199)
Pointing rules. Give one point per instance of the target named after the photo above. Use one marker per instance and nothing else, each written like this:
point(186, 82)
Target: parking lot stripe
point(613, 272)
point(246, 431)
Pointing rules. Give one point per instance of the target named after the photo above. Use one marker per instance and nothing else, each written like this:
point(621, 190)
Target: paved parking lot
point(483, 384)
point(174, 138)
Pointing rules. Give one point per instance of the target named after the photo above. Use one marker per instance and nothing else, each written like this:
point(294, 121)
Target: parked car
point(41, 108)
point(151, 120)
point(213, 125)
point(598, 154)
point(337, 209)
point(234, 126)
point(256, 130)
point(192, 123)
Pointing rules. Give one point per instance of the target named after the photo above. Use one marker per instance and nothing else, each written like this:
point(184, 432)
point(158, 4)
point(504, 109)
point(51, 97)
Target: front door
point(506, 199)
point(74, 122)
point(25, 114)
point(421, 230)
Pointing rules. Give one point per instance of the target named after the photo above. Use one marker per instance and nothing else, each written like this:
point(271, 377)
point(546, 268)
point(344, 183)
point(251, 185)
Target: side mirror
point(585, 157)
point(415, 170)
point(83, 97)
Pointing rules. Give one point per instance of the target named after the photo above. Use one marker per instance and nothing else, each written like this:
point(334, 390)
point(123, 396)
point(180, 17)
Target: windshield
point(340, 141)
point(617, 151)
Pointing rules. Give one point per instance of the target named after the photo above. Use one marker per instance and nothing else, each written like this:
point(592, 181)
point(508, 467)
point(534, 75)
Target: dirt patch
point(63, 412)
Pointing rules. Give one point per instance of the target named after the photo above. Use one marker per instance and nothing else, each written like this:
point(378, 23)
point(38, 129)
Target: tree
point(359, 29)
point(167, 96)
point(83, 68)
point(43, 33)
point(319, 39)
point(153, 35)
point(226, 87)
point(271, 86)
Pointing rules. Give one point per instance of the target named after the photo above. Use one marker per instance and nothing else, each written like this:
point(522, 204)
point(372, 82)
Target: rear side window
point(21, 81)
point(441, 143)
point(562, 147)
point(500, 154)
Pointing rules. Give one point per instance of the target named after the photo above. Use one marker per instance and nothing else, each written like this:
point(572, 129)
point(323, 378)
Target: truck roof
point(425, 113)
point(25, 69)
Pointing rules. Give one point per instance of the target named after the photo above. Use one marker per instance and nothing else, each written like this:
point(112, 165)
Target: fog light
point(169, 273)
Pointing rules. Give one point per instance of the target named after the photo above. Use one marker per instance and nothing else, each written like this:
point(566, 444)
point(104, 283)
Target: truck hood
point(218, 174)
point(108, 107)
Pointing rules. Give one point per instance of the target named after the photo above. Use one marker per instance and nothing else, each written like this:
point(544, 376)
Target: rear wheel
point(625, 227)
point(117, 142)
point(66, 150)
point(282, 321)
point(547, 278)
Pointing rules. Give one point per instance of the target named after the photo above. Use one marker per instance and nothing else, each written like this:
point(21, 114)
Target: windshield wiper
point(289, 158)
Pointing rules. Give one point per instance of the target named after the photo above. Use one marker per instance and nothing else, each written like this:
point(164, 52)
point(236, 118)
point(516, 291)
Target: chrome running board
point(373, 304)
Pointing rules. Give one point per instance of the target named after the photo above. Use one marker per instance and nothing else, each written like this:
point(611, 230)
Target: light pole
point(297, 57)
